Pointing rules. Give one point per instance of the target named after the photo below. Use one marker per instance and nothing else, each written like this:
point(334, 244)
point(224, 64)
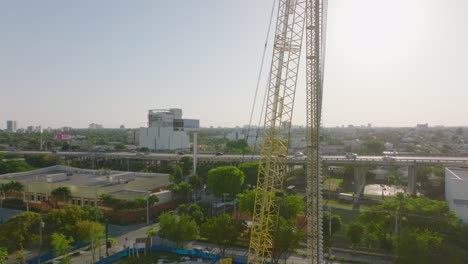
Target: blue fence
point(179, 251)
point(113, 258)
point(51, 254)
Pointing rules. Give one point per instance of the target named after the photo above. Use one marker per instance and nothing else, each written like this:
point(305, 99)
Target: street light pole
point(329, 213)
point(41, 226)
point(147, 208)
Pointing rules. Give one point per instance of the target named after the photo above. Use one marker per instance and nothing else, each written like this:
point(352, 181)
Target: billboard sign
point(62, 137)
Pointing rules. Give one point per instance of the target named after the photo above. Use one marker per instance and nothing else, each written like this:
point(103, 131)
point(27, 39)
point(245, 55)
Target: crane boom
point(291, 18)
point(276, 132)
point(315, 31)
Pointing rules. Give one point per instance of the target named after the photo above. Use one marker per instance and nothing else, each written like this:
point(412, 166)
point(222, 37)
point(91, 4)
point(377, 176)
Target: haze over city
point(388, 63)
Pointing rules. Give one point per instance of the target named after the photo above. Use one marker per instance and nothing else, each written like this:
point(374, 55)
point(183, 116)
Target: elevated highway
point(359, 163)
point(442, 161)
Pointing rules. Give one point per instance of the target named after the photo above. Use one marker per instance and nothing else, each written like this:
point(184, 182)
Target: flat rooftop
point(80, 177)
point(461, 173)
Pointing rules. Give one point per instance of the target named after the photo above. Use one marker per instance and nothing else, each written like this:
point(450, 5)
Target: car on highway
point(350, 155)
point(180, 152)
point(219, 154)
point(298, 154)
point(388, 158)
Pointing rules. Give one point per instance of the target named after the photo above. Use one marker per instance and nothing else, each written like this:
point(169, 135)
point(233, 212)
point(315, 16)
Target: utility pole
point(107, 238)
point(147, 207)
point(41, 226)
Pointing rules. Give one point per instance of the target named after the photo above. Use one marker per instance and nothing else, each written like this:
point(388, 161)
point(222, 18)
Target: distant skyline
point(73, 63)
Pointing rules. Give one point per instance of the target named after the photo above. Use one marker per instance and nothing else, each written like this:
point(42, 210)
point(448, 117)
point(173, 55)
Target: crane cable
point(257, 86)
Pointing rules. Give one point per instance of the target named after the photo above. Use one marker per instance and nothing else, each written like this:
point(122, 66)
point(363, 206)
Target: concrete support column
point(325, 172)
point(412, 180)
point(195, 148)
point(359, 181)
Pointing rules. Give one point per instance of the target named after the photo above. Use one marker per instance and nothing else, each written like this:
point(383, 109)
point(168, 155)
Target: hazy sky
point(71, 63)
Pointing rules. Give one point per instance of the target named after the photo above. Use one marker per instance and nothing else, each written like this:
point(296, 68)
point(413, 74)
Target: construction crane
point(293, 18)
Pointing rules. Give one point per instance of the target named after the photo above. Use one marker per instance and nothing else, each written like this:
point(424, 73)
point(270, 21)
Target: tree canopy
point(223, 231)
point(177, 228)
point(287, 240)
point(250, 170)
point(227, 179)
point(192, 210)
point(91, 232)
point(417, 223)
point(62, 192)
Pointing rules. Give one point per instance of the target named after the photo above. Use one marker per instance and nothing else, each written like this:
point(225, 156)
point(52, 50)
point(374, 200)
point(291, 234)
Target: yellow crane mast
point(291, 18)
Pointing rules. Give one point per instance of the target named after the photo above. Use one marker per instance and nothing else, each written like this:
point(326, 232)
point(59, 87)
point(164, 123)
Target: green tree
point(120, 147)
point(91, 232)
point(405, 214)
point(336, 225)
point(250, 170)
point(183, 189)
point(61, 245)
point(153, 199)
point(374, 146)
point(223, 231)
point(197, 184)
point(20, 257)
point(151, 232)
point(107, 199)
point(355, 234)
point(177, 228)
point(11, 166)
point(287, 240)
point(238, 146)
point(42, 160)
point(424, 246)
point(62, 192)
point(3, 255)
point(12, 186)
point(246, 201)
point(20, 230)
point(227, 179)
point(291, 206)
point(177, 174)
point(193, 210)
point(186, 164)
point(93, 213)
point(64, 220)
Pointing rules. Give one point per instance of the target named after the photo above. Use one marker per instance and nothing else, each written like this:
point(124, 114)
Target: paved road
point(125, 236)
point(442, 161)
point(128, 235)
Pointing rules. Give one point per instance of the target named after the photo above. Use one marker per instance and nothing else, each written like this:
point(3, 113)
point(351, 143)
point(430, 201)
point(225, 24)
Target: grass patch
point(332, 184)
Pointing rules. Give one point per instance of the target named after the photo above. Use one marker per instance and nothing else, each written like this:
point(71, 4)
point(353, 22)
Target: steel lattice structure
point(291, 18)
point(315, 29)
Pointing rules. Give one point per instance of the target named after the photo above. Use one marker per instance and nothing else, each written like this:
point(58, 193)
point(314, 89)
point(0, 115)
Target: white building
point(456, 191)
point(167, 130)
point(11, 126)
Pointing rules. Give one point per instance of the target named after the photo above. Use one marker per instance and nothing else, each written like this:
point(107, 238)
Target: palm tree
point(3, 190)
point(12, 186)
point(152, 231)
point(63, 192)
